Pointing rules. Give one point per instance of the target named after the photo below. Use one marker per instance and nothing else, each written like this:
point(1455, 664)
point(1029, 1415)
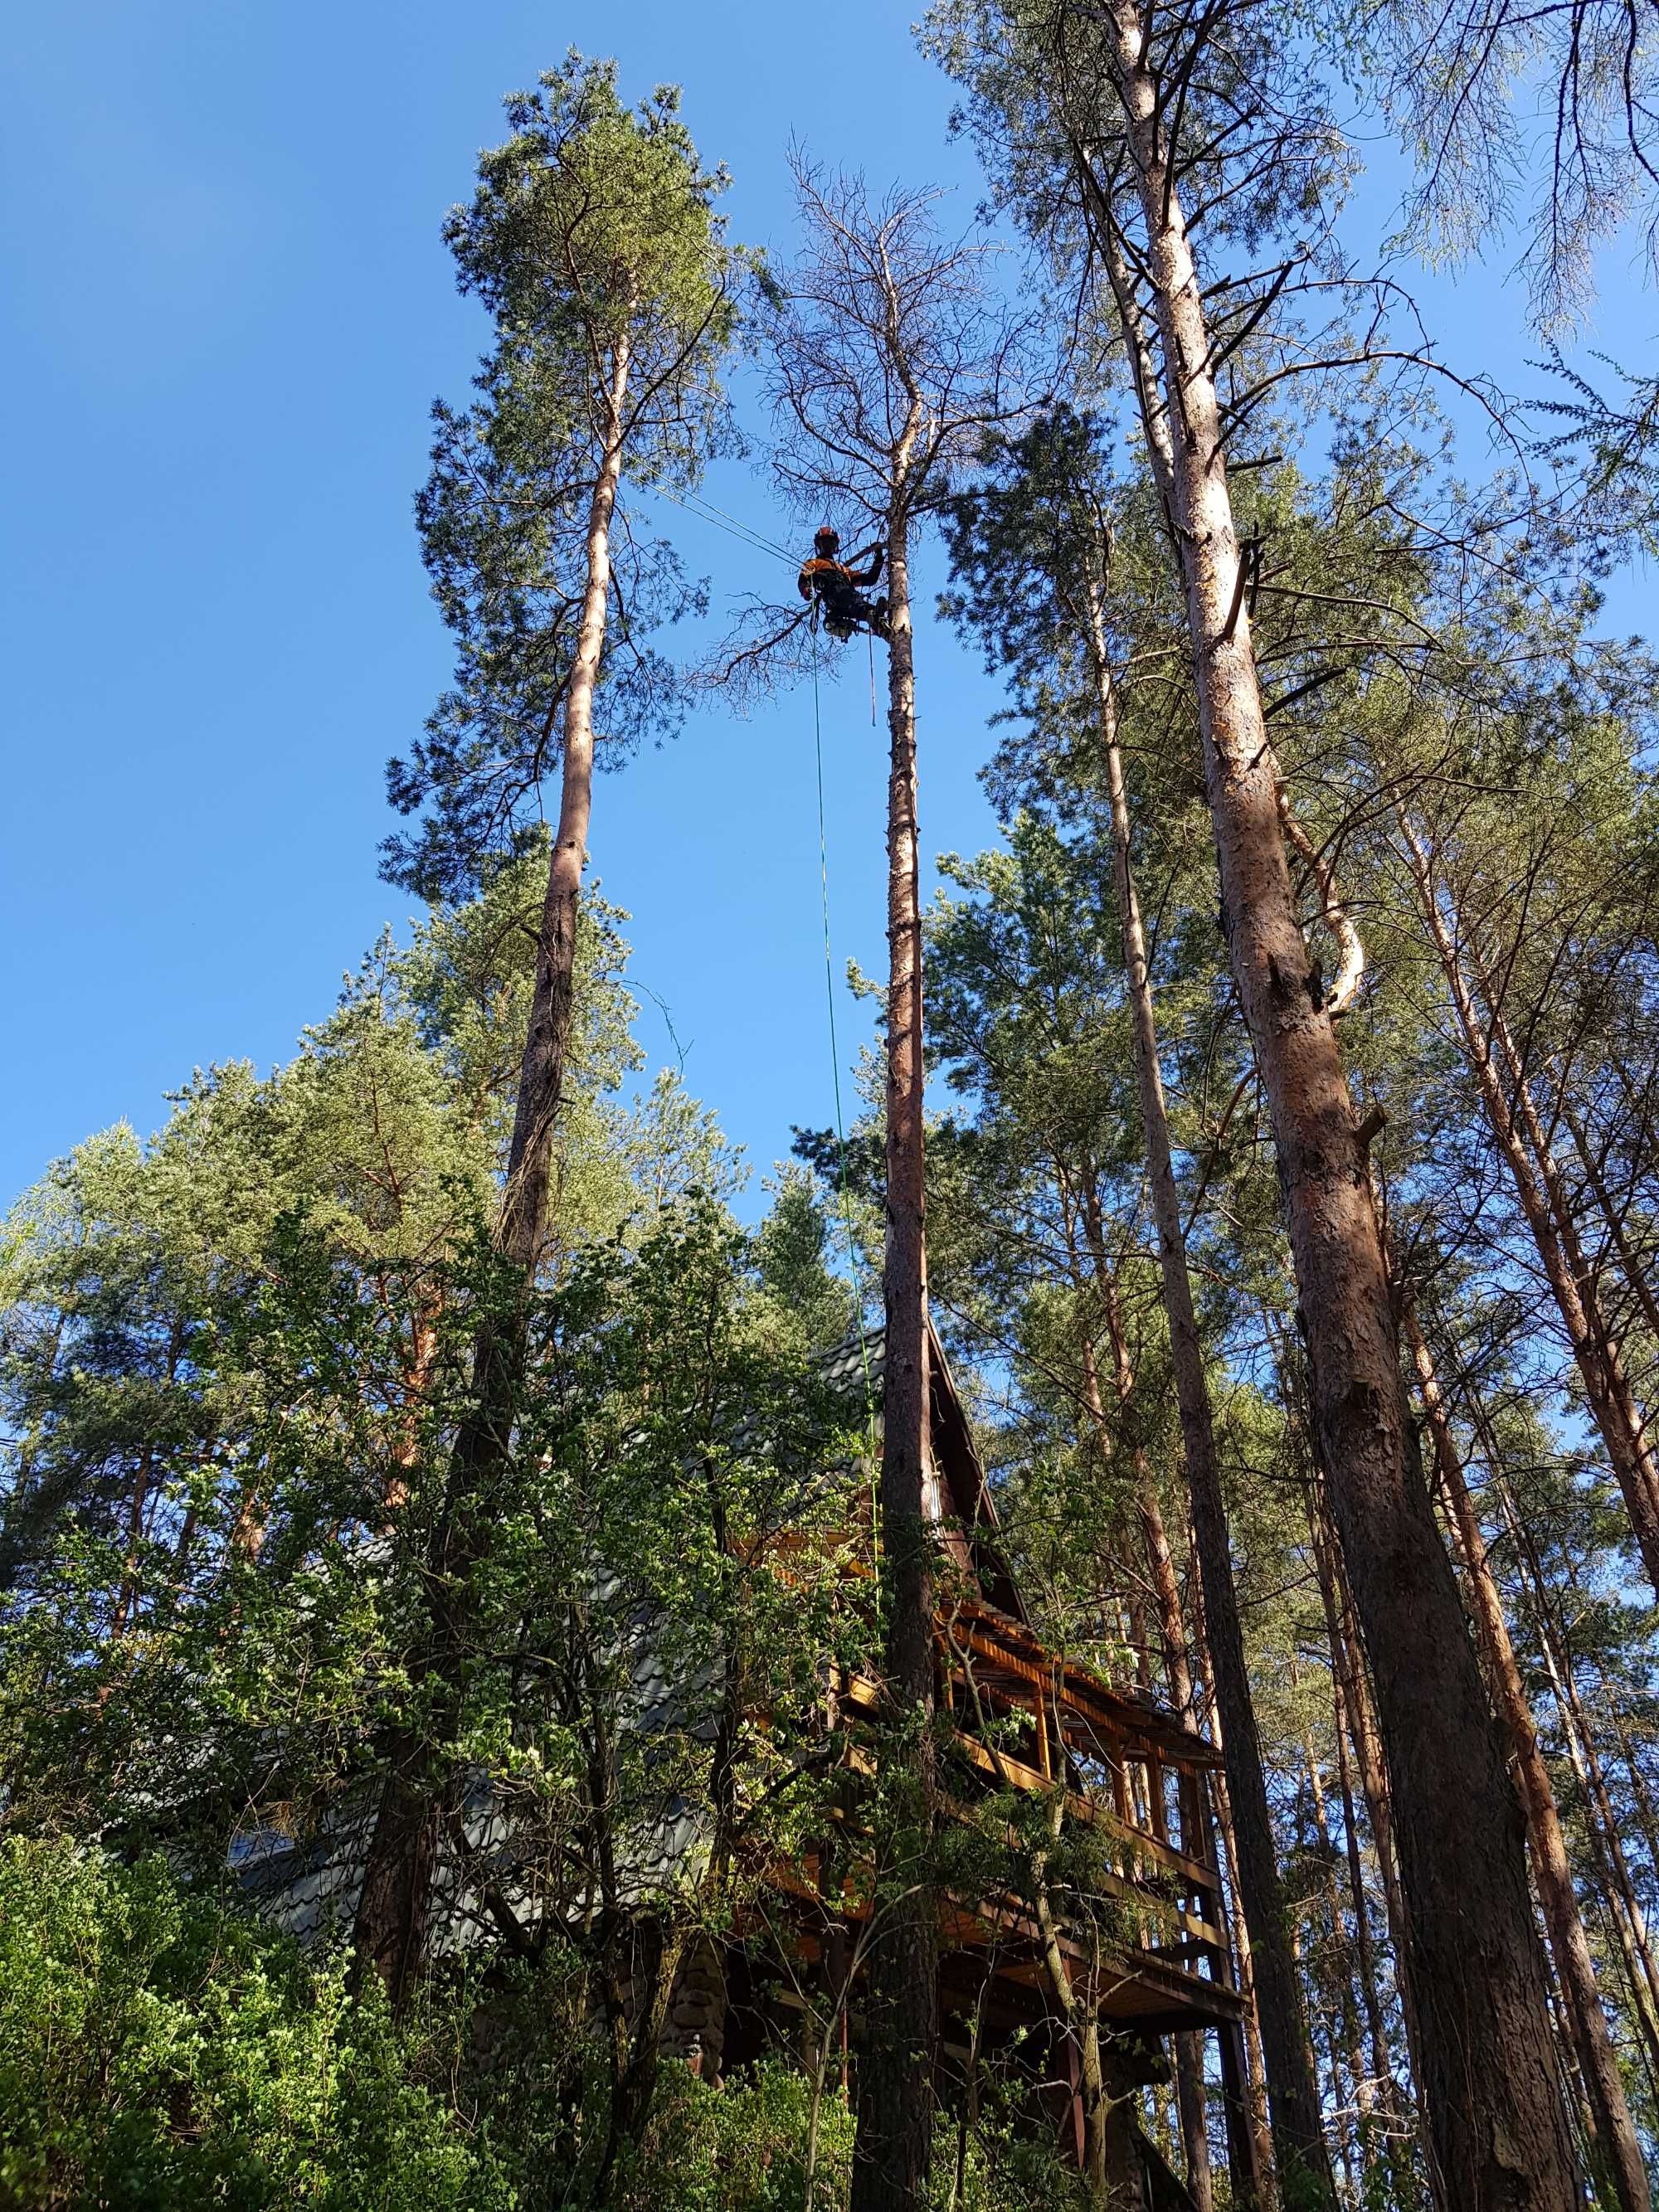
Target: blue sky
point(226, 310)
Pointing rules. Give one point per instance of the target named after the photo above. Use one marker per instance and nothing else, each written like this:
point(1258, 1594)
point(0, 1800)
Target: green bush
point(157, 2050)
point(743, 2149)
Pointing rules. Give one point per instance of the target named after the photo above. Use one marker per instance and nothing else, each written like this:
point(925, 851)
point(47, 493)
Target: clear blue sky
point(226, 310)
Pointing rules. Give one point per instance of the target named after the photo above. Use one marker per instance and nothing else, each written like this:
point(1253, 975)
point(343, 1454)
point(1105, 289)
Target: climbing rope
point(834, 1064)
point(704, 510)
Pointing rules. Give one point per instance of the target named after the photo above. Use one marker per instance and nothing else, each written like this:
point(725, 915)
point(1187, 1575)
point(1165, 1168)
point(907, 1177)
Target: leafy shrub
point(159, 2054)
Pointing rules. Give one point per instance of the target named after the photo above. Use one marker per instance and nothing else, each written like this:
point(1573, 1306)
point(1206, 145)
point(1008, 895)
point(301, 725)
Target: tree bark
point(1188, 2049)
point(1629, 1421)
point(391, 1932)
point(1346, 1698)
point(1365, 1954)
point(1619, 2149)
point(1292, 2091)
point(1515, 1125)
point(541, 1073)
point(1243, 2073)
point(895, 2077)
point(1492, 2083)
point(1347, 2013)
point(1601, 1821)
point(1602, 1818)
point(1614, 1217)
point(1166, 1588)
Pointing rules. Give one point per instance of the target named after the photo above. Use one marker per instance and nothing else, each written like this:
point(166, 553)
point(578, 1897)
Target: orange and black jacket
point(830, 578)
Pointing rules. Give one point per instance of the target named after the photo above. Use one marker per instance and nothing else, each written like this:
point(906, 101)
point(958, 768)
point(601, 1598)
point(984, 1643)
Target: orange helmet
point(828, 539)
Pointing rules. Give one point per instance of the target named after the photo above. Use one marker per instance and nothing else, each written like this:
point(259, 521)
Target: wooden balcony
point(1026, 1720)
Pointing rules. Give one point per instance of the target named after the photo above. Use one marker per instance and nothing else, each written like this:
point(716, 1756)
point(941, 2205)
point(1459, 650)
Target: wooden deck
point(1029, 1720)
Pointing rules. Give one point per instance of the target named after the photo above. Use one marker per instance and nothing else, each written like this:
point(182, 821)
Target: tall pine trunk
point(1292, 2090)
point(1507, 1103)
point(1346, 2016)
point(1357, 1752)
point(1245, 2074)
point(541, 1073)
point(895, 2070)
point(1491, 2084)
point(1190, 2049)
point(392, 1931)
point(1618, 2148)
point(1614, 1218)
point(1602, 1824)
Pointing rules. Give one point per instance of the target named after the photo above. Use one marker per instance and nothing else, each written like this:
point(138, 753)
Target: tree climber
point(838, 588)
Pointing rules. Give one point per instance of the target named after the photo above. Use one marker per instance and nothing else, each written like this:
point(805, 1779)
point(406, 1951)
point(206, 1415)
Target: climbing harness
point(841, 627)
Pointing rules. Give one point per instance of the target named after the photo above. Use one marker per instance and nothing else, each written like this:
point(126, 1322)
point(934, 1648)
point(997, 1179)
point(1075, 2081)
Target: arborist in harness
point(839, 589)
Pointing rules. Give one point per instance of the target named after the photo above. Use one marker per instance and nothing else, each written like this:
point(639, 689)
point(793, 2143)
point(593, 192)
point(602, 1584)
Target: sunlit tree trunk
point(1491, 2085)
point(391, 1932)
point(1512, 1118)
point(1251, 2161)
point(1344, 1669)
point(1292, 2091)
point(1616, 2140)
point(895, 2079)
point(1602, 1823)
point(1172, 1626)
point(541, 1075)
point(1614, 1218)
point(1347, 2017)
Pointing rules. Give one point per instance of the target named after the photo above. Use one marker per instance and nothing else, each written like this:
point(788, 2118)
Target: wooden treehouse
point(1021, 1723)
point(1135, 1951)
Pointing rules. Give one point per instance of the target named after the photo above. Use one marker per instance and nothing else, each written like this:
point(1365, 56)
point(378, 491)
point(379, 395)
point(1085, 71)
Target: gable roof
point(960, 1497)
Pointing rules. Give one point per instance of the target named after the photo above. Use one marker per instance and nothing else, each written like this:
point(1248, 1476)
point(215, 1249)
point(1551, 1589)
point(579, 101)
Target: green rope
point(835, 1064)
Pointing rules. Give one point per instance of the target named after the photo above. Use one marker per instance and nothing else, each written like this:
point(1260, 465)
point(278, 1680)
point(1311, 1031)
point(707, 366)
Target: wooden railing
point(1028, 1720)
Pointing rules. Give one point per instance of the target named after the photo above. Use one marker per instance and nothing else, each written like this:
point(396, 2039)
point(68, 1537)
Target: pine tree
point(592, 241)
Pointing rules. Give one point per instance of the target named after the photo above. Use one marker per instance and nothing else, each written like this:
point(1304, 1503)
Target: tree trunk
point(1640, 1480)
point(1601, 1819)
point(1243, 2070)
point(1081, 2015)
point(1621, 1909)
point(1361, 1721)
point(1365, 1954)
point(1166, 1588)
point(1552, 1869)
point(1293, 2092)
point(416, 1380)
point(1492, 2083)
point(390, 1930)
point(1614, 1217)
point(1514, 1123)
point(1347, 2014)
point(1188, 2049)
point(1343, 1699)
point(541, 1074)
point(895, 2074)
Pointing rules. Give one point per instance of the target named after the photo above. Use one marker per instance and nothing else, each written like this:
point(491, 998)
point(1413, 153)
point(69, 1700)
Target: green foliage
point(593, 242)
point(594, 223)
point(744, 2147)
point(157, 2052)
point(801, 1228)
point(236, 1560)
